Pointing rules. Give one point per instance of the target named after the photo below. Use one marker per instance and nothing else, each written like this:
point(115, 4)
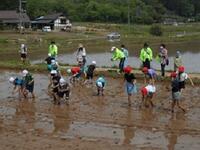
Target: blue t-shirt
point(152, 73)
point(18, 82)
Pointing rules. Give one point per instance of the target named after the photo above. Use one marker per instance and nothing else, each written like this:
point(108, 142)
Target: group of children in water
point(60, 89)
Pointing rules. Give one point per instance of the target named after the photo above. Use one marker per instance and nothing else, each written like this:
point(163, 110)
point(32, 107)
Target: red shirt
point(75, 70)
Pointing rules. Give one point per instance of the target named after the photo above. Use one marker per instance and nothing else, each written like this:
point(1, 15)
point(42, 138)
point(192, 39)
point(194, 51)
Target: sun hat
point(145, 69)
point(62, 81)
point(69, 71)
point(128, 69)
point(181, 69)
point(11, 79)
point(24, 73)
point(113, 48)
point(94, 62)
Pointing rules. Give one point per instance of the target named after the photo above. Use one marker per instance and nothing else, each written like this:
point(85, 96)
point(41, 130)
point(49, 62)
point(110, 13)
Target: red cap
point(144, 91)
point(181, 69)
point(173, 74)
point(127, 69)
point(145, 69)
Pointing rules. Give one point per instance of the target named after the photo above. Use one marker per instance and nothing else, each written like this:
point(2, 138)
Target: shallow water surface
point(96, 120)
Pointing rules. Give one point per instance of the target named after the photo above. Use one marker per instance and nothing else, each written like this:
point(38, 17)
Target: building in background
point(57, 21)
point(12, 19)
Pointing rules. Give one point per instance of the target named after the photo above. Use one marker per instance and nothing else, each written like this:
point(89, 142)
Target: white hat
point(22, 45)
point(24, 72)
point(99, 84)
point(113, 48)
point(62, 81)
point(69, 71)
point(53, 72)
point(53, 61)
point(94, 62)
point(11, 80)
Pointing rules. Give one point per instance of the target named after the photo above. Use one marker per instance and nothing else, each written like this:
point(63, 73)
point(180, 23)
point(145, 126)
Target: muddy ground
point(97, 123)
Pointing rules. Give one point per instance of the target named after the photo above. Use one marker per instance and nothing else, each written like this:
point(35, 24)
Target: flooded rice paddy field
point(90, 122)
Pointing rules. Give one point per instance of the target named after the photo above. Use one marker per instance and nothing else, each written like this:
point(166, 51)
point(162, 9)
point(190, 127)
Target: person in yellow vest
point(53, 49)
point(118, 55)
point(146, 55)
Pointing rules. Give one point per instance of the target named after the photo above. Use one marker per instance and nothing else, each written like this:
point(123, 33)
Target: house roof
point(8, 14)
point(47, 19)
point(12, 16)
point(50, 17)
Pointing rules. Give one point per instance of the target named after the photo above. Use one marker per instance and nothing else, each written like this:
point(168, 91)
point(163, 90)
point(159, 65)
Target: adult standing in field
point(177, 61)
point(163, 57)
point(81, 55)
point(146, 56)
point(118, 55)
point(126, 54)
point(53, 49)
point(23, 52)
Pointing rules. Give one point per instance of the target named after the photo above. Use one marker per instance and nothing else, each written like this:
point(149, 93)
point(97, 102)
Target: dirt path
point(97, 123)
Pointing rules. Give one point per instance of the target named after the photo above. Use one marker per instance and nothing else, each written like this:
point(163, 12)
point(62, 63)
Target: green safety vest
point(146, 54)
point(118, 54)
point(53, 50)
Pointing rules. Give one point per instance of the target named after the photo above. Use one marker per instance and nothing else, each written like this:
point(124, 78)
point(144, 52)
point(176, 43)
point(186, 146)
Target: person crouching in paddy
point(100, 84)
point(18, 86)
point(148, 93)
point(151, 73)
point(63, 91)
point(176, 94)
point(182, 77)
point(130, 83)
point(90, 73)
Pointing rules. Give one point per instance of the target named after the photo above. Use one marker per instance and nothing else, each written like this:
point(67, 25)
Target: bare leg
point(150, 100)
point(180, 107)
point(129, 99)
point(102, 92)
point(173, 105)
point(143, 99)
point(98, 91)
point(33, 95)
point(146, 101)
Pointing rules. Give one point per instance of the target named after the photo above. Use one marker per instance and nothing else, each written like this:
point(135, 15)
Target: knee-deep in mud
point(90, 122)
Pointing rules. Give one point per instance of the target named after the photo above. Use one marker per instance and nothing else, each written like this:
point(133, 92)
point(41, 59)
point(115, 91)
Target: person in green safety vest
point(53, 49)
point(146, 55)
point(118, 55)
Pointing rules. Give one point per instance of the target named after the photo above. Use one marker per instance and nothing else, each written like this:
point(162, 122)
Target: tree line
point(116, 11)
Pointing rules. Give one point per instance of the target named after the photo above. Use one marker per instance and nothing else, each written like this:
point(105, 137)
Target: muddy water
point(92, 122)
point(100, 51)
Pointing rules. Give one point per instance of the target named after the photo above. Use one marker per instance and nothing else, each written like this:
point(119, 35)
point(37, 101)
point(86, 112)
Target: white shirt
point(150, 88)
point(183, 76)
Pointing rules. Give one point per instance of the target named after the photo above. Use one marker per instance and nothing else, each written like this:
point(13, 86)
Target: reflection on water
point(144, 138)
point(190, 61)
point(92, 130)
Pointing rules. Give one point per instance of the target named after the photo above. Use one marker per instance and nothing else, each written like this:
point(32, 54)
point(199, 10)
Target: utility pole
point(20, 16)
point(129, 20)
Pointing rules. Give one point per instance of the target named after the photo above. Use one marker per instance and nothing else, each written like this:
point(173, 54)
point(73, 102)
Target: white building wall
point(58, 25)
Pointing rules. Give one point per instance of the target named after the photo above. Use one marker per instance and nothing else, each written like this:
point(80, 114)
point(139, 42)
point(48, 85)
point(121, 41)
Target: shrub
point(156, 30)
